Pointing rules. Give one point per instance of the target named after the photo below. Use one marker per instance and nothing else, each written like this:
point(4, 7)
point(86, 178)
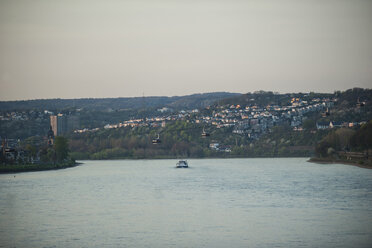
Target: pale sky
point(124, 48)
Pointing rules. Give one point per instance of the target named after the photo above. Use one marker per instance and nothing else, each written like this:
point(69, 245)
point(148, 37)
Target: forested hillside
point(122, 103)
point(260, 124)
point(184, 139)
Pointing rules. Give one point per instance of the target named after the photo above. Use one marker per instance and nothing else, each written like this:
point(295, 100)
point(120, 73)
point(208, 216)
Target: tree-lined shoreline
point(327, 127)
point(18, 168)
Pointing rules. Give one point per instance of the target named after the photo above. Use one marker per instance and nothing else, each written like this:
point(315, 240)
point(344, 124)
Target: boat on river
point(182, 164)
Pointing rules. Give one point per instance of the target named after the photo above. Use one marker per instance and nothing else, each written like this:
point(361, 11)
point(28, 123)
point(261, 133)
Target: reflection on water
point(214, 203)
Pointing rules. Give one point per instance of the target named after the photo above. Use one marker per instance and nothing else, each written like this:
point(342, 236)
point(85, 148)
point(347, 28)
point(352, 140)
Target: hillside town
point(251, 121)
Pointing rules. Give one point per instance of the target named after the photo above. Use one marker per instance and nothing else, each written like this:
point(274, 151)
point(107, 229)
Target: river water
point(214, 203)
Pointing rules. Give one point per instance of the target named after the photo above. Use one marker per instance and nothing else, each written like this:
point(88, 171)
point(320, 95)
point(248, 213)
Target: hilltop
point(259, 124)
point(121, 103)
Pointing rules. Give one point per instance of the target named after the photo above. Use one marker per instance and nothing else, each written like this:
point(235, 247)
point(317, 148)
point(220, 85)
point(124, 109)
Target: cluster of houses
point(157, 121)
point(251, 121)
point(220, 148)
point(336, 124)
point(152, 122)
point(12, 152)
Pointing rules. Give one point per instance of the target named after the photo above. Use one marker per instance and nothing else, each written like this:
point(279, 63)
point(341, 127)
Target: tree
point(31, 149)
point(61, 148)
point(309, 124)
point(362, 139)
point(344, 136)
point(321, 148)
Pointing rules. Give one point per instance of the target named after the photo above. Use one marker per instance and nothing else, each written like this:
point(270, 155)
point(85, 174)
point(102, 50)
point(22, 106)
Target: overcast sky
point(77, 48)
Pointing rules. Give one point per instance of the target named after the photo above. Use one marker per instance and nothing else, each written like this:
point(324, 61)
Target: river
point(284, 202)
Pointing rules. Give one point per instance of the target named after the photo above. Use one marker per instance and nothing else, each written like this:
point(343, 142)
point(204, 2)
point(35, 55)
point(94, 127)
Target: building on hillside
point(214, 145)
point(334, 124)
point(59, 124)
point(11, 152)
point(62, 124)
point(322, 125)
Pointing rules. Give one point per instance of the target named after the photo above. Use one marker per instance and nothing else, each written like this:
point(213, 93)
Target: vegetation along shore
point(51, 155)
point(324, 126)
point(360, 163)
point(346, 146)
point(36, 167)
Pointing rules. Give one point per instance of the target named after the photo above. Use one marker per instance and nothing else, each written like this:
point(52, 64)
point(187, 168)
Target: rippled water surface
point(214, 203)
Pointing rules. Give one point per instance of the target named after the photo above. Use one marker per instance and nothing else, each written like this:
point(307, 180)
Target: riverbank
point(214, 156)
point(17, 168)
point(366, 164)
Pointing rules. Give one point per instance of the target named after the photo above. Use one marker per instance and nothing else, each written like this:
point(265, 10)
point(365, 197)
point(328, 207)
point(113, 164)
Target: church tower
point(50, 136)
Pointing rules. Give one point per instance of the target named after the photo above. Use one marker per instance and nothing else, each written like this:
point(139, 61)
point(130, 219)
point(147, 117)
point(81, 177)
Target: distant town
point(249, 118)
point(252, 121)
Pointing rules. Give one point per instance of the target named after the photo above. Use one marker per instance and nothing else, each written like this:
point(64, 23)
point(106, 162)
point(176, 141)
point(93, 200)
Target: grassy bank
point(15, 168)
point(361, 163)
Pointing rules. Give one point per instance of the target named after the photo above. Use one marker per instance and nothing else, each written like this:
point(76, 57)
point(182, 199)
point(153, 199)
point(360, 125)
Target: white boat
point(182, 164)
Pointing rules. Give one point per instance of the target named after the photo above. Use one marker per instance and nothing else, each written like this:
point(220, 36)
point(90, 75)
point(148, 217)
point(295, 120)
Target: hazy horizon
point(106, 49)
point(76, 98)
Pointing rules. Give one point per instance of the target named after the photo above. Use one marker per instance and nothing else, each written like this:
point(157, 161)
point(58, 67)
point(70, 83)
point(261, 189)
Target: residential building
point(322, 125)
point(59, 124)
point(62, 124)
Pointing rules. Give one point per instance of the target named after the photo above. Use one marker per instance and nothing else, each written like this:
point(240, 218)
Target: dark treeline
point(178, 139)
point(34, 154)
point(36, 150)
point(95, 113)
point(183, 139)
point(264, 98)
point(349, 144)
point(103, 104)
point(282, 141)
